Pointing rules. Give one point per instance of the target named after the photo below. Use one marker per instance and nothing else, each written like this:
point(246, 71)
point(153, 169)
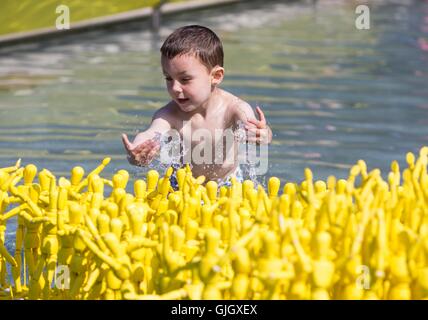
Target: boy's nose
point(176, 87)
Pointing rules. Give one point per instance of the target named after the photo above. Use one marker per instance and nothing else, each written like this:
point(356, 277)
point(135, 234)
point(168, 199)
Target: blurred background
point(332, 94)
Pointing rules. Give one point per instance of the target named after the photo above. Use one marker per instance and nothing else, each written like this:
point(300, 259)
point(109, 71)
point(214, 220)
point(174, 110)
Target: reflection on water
point(332, 94)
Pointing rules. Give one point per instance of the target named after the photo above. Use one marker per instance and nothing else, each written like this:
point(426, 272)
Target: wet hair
point(197, 40)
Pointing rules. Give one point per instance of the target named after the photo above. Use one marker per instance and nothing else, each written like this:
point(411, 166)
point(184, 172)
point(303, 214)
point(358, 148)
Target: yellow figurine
point(5, 256)
point(241, 280)
point(208, 268)
point(399, 271)
point(46, 263)
point(323, 267)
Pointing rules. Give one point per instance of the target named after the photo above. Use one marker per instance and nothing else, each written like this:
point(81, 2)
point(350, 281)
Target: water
point(332, 94)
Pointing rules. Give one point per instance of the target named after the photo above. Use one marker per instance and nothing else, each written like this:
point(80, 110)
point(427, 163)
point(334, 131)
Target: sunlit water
point(332, 94)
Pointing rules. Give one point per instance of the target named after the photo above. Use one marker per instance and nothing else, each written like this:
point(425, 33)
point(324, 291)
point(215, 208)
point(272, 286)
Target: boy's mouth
point(183, 100)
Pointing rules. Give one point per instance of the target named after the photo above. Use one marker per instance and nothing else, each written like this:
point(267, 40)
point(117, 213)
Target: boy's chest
point(200, 129)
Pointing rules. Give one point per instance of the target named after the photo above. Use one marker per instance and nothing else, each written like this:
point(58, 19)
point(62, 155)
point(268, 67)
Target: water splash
point(248, 167)
point(171, 153)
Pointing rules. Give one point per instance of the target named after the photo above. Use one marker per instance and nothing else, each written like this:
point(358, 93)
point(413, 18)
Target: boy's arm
point(146, 144)
point(257, 130)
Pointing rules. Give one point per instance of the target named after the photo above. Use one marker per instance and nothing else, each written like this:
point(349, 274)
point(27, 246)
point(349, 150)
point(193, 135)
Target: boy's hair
point(197, 40)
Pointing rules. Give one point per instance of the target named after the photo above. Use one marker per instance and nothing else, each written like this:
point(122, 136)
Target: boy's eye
point(186, 79)
point(168, 78)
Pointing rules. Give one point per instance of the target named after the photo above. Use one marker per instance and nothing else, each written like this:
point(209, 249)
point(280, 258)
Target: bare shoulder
point(167, 113)
point(240, 109)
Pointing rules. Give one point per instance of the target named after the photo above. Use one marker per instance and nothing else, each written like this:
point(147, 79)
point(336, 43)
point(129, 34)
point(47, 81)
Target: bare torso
point(207, 136)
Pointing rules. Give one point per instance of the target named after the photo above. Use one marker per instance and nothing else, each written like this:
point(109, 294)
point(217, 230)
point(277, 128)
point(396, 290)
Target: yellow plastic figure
point(5, 256)
point(400, 273)
point(28, 192)
point(242, 269)
point(46, 263)
point(323, 268)
point(208, 269)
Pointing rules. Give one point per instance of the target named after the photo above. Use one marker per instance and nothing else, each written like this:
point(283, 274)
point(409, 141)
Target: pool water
point(332, 94)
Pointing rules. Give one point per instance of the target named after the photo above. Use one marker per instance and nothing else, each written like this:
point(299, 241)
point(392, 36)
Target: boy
point(192, 62)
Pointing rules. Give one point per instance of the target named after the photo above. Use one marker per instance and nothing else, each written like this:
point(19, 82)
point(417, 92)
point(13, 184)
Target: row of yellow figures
point(359, 238)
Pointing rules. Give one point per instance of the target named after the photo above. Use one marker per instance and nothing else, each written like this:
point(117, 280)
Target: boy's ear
point(217, 74)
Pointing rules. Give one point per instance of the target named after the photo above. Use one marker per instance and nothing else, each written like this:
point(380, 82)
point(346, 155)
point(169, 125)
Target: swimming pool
point(332, 94)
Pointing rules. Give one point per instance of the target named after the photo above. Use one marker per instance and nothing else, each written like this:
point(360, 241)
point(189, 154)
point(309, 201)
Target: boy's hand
point(141, 154)
point(257, 130)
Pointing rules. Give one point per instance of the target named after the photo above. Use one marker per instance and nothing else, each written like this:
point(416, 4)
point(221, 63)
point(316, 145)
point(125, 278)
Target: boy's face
point(188, 81)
